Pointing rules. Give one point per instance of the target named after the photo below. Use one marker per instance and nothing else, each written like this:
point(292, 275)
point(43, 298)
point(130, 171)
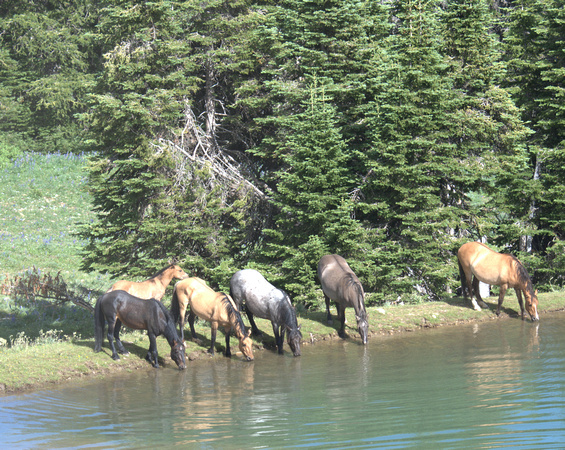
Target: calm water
point(497, 384)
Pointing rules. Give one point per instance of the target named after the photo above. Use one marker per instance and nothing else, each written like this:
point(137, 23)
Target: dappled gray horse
point(341, 285)
point(264, 300)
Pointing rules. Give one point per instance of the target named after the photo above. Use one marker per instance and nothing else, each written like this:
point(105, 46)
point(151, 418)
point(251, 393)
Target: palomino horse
point(500, 269)
point(216, 307)
point(119, 307)
point(153, 287)
point(341, 285)
point(264, 300)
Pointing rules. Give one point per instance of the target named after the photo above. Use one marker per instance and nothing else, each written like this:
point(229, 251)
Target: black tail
point(99, 324)
point(175, 308)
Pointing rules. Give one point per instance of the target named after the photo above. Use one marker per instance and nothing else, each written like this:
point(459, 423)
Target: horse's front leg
point(214, 328)
point(279, 337)
point(503, 288)
point(520, 302)
point(227, 332)
point(341, 315)
point(329, 316)
point(152, 355)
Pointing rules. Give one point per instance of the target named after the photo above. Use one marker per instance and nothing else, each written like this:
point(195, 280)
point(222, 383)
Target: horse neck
point(170, 333)
point(359, 303)
point(288, 315)
point(234, 317)
point(165, 278)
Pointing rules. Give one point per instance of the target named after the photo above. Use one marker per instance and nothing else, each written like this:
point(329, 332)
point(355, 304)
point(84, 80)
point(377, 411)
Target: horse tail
point(99, 324)
point(175, 307)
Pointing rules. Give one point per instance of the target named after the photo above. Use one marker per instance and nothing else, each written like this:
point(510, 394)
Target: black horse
point(117, 307)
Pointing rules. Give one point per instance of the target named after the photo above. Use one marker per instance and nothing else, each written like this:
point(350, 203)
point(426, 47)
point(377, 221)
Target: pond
point(495, 384)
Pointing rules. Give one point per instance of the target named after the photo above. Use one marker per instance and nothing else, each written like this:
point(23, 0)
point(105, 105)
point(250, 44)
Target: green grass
point(43, 199)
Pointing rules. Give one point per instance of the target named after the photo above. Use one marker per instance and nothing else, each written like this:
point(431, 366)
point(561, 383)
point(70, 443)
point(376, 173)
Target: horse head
point(294, 339)
point(246, 345)
point(532, 305)
point(178, 273)
point(363, 326)
point(178, 351)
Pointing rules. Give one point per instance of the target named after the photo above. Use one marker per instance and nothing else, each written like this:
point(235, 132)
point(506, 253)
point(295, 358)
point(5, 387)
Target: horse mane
point(523, 275)
point(353, 281)
point(161, 271)
point(168, 317)
point(288, 313)
point(233, 313)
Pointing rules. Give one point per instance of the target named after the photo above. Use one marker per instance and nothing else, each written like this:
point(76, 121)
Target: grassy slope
point(41, 200)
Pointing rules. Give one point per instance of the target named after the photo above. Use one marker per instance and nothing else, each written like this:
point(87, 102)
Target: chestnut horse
point(341, 285)
point(154, 287)
point(215, 307)
point(119, 307)
point(499, 269)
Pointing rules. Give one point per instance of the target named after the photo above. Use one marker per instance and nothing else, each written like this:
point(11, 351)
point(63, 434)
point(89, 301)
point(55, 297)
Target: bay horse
point(215, 307)
point(341, 285)
point(154, 287)
point(264, 300)
point(119, 307)
point(477, 262)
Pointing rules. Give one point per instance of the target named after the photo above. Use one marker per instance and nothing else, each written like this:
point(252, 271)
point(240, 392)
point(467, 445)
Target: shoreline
point(73, 361)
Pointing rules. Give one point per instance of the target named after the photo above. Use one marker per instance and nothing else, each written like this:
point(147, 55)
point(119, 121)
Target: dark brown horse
point(119, 307)
point(341, 285)
point(154, 287)
point(216, 307)
point(499, 269)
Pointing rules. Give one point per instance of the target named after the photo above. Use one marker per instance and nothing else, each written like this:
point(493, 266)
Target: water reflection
point(493, 384)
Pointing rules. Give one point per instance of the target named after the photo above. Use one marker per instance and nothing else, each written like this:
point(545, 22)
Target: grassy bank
point(61, 357)
point(42, 199)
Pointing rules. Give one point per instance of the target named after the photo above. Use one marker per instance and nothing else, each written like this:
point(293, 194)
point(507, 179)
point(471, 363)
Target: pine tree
point(156, 126)
point(315, 211)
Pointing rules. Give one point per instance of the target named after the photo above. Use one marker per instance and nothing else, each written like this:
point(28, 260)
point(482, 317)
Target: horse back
point(260, 296)
point(202, 299)
point(133, 312)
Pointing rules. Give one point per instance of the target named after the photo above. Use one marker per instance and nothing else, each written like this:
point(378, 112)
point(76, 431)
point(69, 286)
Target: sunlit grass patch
point(43, 200)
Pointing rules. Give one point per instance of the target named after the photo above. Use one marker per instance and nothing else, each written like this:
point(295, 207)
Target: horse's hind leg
point(190, 320)
point(117, 329)
point(110, 336)
point(329, 316)
point(477, 292)
point(254, 328)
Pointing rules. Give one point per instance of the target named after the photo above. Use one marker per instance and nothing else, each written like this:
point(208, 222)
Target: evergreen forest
point(265, 134)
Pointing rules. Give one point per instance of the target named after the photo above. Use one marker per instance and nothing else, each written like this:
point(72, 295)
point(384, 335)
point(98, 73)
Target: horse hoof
point(115, 358)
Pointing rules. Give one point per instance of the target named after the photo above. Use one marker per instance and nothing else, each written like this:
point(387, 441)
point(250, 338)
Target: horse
point(215, 307)
point(264, 300)
point(119, 307)
point(341, 285)
point(154, 287)
point(500, 269)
